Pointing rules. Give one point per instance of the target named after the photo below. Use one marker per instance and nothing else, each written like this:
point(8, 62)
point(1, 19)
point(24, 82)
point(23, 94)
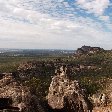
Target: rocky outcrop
point(88, 50)
point(66, 94)
point(16, 96)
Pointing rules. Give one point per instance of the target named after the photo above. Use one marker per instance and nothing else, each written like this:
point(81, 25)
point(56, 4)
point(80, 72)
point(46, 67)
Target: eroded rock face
point(20, 96)
point(88, 50)
point(67, 94)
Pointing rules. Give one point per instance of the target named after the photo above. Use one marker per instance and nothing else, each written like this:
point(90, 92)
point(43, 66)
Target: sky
point(55, 24)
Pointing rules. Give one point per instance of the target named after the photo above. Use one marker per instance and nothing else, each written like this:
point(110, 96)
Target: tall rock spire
point(67, 94)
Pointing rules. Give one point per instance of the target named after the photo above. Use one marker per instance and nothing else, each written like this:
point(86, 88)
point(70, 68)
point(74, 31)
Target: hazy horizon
point(33, 49)
point(55, 24)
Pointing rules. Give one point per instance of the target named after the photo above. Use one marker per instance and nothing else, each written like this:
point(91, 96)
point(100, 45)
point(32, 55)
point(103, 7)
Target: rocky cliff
point(88, 50)
point(15, 96)
point(66, 94)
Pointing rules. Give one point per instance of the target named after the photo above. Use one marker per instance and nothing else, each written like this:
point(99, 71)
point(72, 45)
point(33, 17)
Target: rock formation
point(66, 94)
point(16, 96)
point(88, 50)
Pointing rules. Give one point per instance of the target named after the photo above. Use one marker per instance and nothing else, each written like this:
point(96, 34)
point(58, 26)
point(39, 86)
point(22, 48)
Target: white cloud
point(104, 18)
point(94, 6)
point(44, 31)
point(52, 34)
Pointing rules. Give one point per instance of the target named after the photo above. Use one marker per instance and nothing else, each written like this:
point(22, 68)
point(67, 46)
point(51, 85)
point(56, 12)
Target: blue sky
point(55, 24)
